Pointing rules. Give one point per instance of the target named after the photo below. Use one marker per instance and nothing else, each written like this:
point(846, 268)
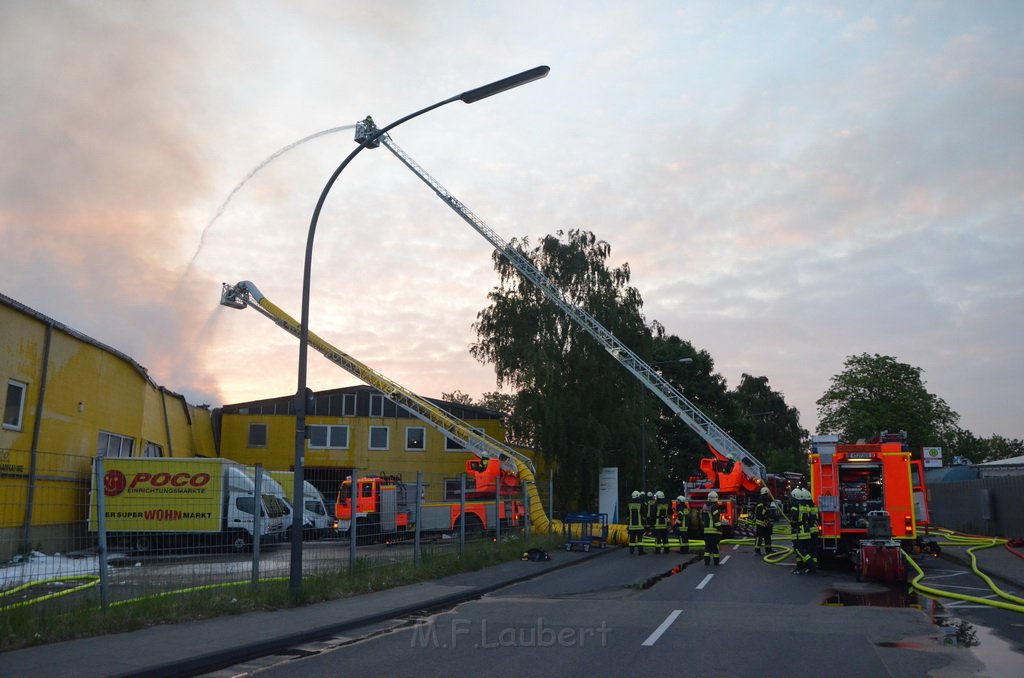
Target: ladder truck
point(497, 467)
point(725, 450)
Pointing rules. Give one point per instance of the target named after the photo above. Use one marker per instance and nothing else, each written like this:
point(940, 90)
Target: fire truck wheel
point(474, 528)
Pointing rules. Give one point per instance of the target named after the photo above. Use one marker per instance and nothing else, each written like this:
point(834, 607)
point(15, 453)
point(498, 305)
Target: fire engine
point(852, 483)
point(386, 510)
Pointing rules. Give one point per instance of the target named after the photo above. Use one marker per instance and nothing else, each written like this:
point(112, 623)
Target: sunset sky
point(791, 183)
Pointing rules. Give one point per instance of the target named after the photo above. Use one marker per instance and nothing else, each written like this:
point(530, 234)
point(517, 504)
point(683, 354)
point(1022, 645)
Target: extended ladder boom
point(246, 294)
point(712, 434)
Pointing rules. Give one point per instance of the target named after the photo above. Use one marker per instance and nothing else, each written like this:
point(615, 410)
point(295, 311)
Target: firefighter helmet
point(659, 495)
point(764, 490)
point(636, 494)
point(796, 494)
point(681, 499)
point(712, 496)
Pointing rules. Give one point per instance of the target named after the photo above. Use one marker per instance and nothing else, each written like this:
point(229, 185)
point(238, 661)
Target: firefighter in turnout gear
point(711, 518)
point(809, 520)
point(637, 522)
point(798, 528)
point(660, 522)
point(649, 511)
point(763, 522)
point(681, 523)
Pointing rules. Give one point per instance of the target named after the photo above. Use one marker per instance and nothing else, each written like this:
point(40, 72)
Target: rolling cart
point(593, 529)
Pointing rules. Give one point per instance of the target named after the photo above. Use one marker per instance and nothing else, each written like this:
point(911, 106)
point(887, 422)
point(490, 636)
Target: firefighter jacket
point(798, 523)
point(637, 516)
point(711, 517)
point(762, 514)
point(649, 511)
point(681, 517)
point(809, 519)
point(660, 519)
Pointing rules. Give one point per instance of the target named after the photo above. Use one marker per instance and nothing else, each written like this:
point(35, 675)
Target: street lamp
point(302, 394)
point(643, 421)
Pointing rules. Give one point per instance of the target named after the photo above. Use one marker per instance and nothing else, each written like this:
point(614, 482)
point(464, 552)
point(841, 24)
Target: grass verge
point(39, 624)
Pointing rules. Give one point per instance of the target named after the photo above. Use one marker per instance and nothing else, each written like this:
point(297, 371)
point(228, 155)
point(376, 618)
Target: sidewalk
point(997, 562)
point(207, 645)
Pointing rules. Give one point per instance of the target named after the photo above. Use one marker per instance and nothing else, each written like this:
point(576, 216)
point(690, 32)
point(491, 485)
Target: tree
point(878, 393)
point(571, 401)
point(979, 450)
point(774, 434)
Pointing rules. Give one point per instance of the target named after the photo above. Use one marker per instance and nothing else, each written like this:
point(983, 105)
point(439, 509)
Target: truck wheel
point(142, 544)
point(474, 528)
point(240, 541)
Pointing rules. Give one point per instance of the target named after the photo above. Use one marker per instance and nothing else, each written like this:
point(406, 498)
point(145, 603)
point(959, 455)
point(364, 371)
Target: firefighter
point(660, 522)
point(809, 518)
point(798, 529)
point(649, 515)
point(711, 518)
point(637, 522)
point(763, 522)
point(681, 524)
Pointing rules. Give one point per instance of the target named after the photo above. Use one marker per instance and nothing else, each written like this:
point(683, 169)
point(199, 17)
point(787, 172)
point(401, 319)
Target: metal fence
point(58, 539)
point(986, 506)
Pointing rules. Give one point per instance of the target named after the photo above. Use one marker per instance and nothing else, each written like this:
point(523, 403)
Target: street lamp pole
point(302, 394)
point(643, 422)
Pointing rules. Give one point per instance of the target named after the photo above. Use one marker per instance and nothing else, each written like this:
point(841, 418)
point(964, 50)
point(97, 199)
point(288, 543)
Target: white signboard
point(932, 457)
point(608, 493)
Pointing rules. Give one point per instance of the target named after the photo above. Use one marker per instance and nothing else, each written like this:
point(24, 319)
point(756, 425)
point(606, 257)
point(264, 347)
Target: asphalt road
point(664, 614)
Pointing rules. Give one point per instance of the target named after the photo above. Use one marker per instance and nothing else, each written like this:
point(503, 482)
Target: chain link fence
point(173, 525)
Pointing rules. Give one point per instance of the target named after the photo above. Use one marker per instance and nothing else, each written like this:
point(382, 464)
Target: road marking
point(653, 638)
point(725, 558)
point(735, 547)
point(704, 581)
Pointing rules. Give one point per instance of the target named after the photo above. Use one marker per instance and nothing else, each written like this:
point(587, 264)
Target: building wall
point(88, 388)
point(435, 461)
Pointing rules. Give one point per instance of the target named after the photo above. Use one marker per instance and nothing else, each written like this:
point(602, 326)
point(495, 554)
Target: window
point(152, 450)
point(452, 487)
point(348, 407)
point(451, 445)
point(379, 437)
point(328, 437)
point(415, 438)
point(376, 405)
point(14, 406)
point(257, 435)
point(113, 445)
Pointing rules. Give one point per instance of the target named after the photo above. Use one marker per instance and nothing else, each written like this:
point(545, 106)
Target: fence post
point(462, 514)
point(101, 529)
point(352, 536)
point(497, 510)
point(257, 524)
point(416, 538)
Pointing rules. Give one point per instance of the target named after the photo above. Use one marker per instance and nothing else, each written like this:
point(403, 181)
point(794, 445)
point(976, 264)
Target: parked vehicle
point(317, 522)
point(151, 503)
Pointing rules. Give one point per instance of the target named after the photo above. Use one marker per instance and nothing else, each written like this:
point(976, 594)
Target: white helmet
point(796, 494)
point(636, 494)
point(712, 496)
point(807, 495)
point(659, 495)
point(764, 490)
point(650, 495)
point(681, 499)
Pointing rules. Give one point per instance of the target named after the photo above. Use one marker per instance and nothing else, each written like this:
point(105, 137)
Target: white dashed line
point(704, 581)
point(653, 638)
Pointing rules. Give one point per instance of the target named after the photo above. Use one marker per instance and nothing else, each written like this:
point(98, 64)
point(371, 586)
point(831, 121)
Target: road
point(658, 614)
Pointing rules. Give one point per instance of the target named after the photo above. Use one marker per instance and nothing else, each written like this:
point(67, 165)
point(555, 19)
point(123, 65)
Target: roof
point(1011, 461)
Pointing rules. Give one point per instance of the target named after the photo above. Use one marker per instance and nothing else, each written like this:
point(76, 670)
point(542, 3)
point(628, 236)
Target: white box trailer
point(154, 502)
point(317, 522)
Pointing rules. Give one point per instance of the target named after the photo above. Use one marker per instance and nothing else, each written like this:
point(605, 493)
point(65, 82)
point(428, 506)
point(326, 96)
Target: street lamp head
point(474, 95)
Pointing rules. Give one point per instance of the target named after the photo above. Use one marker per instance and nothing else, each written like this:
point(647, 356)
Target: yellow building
point(66, 397)
point(353, 428)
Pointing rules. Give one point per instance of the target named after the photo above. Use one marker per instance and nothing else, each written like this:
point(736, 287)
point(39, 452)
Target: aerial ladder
point(720, 442)
point(246, 295)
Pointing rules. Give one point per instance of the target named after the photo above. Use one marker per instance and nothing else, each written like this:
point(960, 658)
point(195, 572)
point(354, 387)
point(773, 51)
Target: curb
point(220, 659)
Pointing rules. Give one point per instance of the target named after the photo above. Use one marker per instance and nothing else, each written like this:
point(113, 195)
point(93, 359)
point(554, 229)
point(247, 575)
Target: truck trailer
point(152, 503)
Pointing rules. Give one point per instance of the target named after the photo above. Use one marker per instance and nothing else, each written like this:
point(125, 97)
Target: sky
point(791, 183)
